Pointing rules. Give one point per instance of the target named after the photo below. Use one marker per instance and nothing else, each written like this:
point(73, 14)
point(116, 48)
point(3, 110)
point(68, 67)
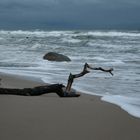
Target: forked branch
point(85, 71)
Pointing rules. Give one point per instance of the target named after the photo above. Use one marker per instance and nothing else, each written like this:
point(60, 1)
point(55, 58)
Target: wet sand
point(54, 118)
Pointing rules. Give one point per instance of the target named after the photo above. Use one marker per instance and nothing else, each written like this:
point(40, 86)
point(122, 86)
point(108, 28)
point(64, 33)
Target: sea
point(21, 53)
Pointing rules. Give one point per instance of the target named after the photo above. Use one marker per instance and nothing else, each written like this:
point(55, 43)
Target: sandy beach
point(54, 118)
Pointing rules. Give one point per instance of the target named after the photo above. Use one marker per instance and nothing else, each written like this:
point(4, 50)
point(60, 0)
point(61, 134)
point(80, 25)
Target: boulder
point(52, 56)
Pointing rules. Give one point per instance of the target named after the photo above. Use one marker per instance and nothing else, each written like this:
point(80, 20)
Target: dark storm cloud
point(33, 4)
point(69, 13)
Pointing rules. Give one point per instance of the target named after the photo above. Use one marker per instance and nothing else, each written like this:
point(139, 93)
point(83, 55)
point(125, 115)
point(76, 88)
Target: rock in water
point(52, 56)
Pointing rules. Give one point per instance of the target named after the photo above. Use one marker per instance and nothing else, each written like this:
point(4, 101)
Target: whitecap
point(35, 46)
point(115, 62)
point(70, 40)
point(114, 33)
point(100, 58)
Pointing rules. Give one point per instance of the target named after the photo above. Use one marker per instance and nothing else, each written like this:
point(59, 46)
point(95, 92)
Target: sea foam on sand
point(131, 105)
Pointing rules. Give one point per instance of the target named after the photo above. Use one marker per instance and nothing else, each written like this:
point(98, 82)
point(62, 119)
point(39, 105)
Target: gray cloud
point(70, 13)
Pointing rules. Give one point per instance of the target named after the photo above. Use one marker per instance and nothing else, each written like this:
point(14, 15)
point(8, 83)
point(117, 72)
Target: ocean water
point(21, 53)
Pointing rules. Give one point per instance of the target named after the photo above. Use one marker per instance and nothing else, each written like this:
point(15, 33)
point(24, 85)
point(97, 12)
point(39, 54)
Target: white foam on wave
point(114, 33)
point(35, 46)
point(29, 72)
point(115, 62)
point(129, 104)
point(71, 40)
point(38, 33)
point(72, 33)
point(100, 58)
point(55, 33)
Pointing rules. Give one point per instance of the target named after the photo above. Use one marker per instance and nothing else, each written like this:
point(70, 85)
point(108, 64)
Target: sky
point(69, 14)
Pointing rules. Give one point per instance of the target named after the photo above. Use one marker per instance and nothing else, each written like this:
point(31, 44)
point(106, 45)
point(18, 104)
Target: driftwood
point(85, 71)
point(59, 89)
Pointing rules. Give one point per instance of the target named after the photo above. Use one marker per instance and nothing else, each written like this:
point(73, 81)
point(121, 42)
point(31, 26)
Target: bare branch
point(100, 68)
point(71, 77)
point(85, 71)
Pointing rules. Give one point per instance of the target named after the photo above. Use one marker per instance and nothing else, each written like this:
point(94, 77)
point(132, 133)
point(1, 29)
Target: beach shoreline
point(51, 117)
